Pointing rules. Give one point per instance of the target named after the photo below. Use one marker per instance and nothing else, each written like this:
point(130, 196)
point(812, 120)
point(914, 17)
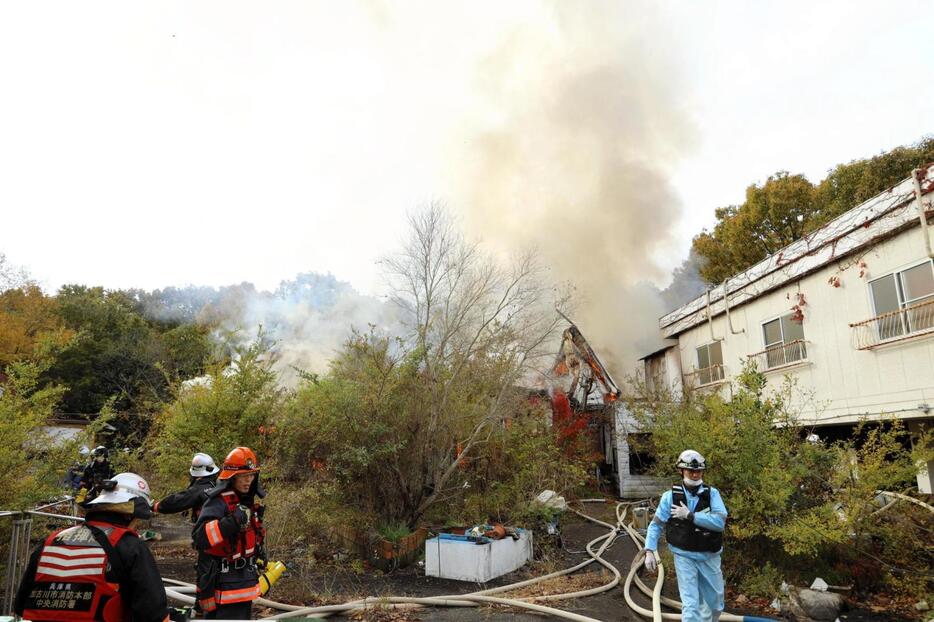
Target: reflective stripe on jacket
point(70, 580)
point(226, 569)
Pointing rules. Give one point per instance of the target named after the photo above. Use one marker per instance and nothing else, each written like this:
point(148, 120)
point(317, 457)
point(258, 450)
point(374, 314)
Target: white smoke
point(311, 317)
point(306, 320)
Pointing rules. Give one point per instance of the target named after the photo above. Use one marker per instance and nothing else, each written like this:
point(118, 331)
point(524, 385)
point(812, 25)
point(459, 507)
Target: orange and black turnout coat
point(228, 550)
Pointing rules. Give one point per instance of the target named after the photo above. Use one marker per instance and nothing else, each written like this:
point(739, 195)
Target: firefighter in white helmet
point(693, 516)
point(203, 474)
point(100, 569)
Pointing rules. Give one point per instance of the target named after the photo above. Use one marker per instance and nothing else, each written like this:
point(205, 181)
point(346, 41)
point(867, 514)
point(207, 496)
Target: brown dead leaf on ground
point(173, 552)
point(384, 614)
point(559, 585)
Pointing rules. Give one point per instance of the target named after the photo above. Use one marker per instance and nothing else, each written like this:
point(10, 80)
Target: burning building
point(584, 400)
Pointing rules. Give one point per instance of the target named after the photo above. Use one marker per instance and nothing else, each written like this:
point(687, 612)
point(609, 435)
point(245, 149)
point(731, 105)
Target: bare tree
point(478, 329)
point(11, 276)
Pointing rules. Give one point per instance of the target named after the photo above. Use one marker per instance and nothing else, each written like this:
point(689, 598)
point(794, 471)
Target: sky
point(174, 143)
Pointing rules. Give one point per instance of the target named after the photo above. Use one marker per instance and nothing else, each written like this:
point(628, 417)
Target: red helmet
point(240, 460)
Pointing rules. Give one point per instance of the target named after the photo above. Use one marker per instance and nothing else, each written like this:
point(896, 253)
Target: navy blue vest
point(684, 534)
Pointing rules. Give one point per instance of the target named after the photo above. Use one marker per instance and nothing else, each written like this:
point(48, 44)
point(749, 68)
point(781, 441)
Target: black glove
point(262, 559)
point(179, 614)
point(242, 516)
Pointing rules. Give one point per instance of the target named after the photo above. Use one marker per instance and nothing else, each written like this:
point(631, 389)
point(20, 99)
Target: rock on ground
point(806, 605)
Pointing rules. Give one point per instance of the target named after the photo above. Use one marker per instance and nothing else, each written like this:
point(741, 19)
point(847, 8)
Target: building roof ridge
point(864, 216)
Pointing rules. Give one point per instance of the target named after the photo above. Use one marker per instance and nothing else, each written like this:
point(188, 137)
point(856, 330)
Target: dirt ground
point(319, 584)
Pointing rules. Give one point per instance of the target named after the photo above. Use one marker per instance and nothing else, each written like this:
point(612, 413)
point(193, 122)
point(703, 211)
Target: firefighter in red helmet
point(229, 537)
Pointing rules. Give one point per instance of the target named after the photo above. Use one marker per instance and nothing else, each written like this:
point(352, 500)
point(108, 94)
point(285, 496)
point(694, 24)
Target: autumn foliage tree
point(29, 322)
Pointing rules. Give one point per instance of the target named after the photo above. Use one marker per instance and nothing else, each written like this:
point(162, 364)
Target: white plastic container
point(452, 557)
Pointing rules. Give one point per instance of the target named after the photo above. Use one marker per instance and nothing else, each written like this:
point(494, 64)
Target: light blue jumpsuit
point(700, 581)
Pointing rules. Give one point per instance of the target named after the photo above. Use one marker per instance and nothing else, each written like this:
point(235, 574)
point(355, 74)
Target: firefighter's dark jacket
point(141, 587)
point(192, 498)
point(210, 578)
point(216, 508)
point(229, 524)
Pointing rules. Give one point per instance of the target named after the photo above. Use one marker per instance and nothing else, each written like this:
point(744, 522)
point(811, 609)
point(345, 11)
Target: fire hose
point(180, 591)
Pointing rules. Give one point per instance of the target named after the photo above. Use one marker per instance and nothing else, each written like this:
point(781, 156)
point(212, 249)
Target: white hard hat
point(202, 465)
point(692, 460)
point(123, 487)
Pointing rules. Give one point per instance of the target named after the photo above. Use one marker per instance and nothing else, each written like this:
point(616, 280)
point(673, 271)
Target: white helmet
point(691, 460)
point(123, 487)
point(202, 465)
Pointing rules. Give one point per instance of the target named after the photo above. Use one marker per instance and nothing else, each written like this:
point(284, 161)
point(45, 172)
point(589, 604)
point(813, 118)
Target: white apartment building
point(846, 312)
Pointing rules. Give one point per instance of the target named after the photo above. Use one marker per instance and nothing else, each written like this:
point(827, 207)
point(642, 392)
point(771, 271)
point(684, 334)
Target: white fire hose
point(179, 590)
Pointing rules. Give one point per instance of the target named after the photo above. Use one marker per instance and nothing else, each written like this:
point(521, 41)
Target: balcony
point(706, 375)
point(781, 355)
point(912, 321)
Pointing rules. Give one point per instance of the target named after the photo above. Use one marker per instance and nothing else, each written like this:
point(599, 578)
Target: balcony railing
point(781, 354)
point(904, 323)
point(705, 375)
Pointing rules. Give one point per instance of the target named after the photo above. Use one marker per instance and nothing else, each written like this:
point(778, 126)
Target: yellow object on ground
point(268, 578)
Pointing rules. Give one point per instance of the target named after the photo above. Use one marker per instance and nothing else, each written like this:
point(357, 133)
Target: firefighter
point(95, 473)
point(203, 473)
point(694, 516)
point(100, 569)
point(229, 537)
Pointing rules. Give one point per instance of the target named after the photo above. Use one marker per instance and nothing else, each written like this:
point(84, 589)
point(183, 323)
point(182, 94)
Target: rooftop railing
point(912, 321)
point(781, 354)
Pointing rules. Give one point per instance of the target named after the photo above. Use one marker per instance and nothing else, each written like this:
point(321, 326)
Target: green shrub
point(762, 582)
point(792, 503)
point(230, 408)
point(519, 462)
point(32, 463)
point(393, 532)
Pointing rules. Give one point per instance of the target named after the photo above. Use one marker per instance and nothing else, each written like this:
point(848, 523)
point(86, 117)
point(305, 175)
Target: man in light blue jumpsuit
point(693, 516)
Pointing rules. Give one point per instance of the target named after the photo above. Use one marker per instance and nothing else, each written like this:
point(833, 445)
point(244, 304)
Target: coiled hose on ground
point(181, 591)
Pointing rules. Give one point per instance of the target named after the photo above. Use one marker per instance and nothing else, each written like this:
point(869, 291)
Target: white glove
point(681, 511)
point(651, 561)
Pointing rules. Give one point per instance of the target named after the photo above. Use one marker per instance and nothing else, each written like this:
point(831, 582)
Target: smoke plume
point(306, 319)
point(569, 150)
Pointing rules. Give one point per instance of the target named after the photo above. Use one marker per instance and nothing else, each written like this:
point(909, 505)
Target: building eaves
point(668, 344)
point(883, 215)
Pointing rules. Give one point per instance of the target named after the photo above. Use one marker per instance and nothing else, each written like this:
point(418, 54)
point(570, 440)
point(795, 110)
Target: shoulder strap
point(115, 562)
point(230, 498)
point(677, 495)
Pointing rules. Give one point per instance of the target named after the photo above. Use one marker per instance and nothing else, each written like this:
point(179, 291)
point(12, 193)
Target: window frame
point(900, 295)
point(781, 346)
point(707, 373)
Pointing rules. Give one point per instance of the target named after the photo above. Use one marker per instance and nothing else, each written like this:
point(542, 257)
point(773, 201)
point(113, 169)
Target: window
point(709, 363)
point(655, 377)
point(899, 301)
point(784, 341)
